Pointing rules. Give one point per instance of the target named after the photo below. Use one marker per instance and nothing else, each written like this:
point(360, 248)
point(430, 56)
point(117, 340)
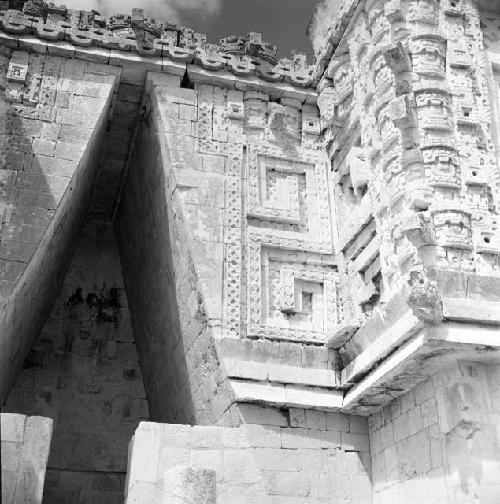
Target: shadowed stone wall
point(83, 372)
point(169, 316)
point(53, 111)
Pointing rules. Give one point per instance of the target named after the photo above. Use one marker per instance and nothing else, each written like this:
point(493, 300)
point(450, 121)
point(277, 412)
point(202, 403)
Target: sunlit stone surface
point(284, 277)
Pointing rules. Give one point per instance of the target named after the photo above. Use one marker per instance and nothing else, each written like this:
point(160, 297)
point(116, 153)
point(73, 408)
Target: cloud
point(170, 10)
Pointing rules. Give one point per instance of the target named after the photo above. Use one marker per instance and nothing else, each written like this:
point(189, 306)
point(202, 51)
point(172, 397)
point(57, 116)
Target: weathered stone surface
point(100, 40)
point(166, 286)
point(410, 145)
point(187, 485)
point(83, 371)
point(25, 445)
point(297, 243)
point(47, 191)
point(437, 436)
point(303, 460)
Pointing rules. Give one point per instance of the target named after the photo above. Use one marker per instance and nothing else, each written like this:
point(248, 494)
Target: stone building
point(236, 279)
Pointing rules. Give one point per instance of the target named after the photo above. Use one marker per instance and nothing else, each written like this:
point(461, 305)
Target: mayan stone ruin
point(228, 278)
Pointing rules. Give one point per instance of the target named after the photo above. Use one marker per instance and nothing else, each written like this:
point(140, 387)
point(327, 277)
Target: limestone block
point(315, 420)
point(358, 424)
point(52, 190)
point(255, 414)
point(25, 445)
point(337, 422)
point(264, 436)
point(239, 468)
point(12, 427)
point(355, 442)
point(297, 417)
point(286, 484)
point(247, 391)
point(187, 485)
point(330, 439)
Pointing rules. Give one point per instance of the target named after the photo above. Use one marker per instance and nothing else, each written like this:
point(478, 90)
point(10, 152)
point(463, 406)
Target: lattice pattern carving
point(273, 190)
point(276, 199)
point(290, 199)
point(291, 298)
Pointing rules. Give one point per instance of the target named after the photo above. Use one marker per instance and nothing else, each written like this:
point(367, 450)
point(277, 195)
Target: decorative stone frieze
point(419, 147)
point(328, 221)
point(241, 56)
point(407, 119)
point(314, 240)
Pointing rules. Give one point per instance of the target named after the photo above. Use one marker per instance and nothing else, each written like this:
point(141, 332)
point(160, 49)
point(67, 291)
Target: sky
point(282, 22)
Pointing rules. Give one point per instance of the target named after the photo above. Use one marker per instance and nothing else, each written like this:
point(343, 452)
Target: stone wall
point(83, 372)
point(53, 113)
point(278, 457)
point(441, 440)
point(239, 290)
point(169, 312)
point(25, 444)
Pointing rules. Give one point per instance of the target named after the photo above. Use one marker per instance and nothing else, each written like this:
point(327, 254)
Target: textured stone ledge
point(471, 310)
point(240, 56)
point(135, 67)
point(252, 370)
point(280, 395)
point(383, 345)
point(424, 354)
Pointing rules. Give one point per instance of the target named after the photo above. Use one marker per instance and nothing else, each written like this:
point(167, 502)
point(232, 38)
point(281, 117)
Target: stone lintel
point(287, 395)
point(458, 309)
point(391, 338)
point(276, 373)
point(274, 367)
point(471, 310)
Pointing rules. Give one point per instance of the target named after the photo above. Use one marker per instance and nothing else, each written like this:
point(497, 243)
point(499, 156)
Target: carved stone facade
point(310, 256)
point(413, 141)
point(409, 125)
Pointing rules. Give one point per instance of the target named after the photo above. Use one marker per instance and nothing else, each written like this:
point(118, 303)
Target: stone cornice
point(240, 56)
